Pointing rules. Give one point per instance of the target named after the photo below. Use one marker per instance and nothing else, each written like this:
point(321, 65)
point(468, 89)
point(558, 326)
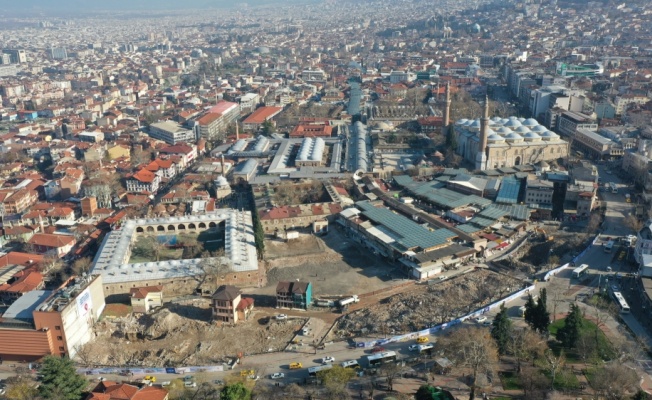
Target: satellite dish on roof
point(358, 174)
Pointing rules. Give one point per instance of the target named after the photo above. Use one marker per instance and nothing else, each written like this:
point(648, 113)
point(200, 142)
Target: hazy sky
point(124, 5)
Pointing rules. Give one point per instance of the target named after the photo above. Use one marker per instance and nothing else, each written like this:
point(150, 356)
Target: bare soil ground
point(182, 334)
point(333, 263)
point(427, 305)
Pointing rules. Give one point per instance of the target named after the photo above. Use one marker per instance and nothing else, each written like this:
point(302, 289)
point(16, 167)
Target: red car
point(377, 349)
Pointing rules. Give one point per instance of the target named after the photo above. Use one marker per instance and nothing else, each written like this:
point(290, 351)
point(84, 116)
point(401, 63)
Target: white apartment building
point(171, 132)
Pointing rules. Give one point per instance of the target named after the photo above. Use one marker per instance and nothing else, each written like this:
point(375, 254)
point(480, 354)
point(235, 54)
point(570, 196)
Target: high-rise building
point(5, 59)
point(59, 53)
point(17, 56)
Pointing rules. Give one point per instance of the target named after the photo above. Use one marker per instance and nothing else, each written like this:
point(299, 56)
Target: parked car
point(422, 339)
point(189, 384)
point(281, 317)
point(218, 382)
point(166, 383)
point(480, 320)
point(277, 375)
point(413, 347)
point(253, 377)
point(327, 360)
point(150, 378)
point(377, 349)
point(188, 378)
point(488, 322)
point(296, 365)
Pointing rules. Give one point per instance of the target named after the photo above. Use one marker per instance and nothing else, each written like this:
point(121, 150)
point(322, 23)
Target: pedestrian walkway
point(639, 331)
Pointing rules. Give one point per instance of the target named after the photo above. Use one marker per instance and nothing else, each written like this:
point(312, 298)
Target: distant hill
point(126, 5)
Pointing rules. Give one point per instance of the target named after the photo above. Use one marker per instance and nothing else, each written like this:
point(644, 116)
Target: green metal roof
point(409, 234)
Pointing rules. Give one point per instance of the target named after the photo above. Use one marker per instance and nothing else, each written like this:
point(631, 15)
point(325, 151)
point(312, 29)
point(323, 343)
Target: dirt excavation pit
point(428, 305)
point(183, 336)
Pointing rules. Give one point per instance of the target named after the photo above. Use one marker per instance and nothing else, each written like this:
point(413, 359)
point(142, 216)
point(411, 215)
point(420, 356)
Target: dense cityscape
point(331, 199)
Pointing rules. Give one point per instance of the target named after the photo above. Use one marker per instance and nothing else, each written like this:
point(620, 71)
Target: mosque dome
point(503, 131)
point(531, 136)
point(495, 138)
point(522, 130)
point(512, 137)
point(539, 129)
point(530, 122)
point(513, 123)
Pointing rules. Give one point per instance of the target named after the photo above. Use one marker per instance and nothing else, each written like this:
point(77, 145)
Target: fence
point(144, 371)
point(441, 327)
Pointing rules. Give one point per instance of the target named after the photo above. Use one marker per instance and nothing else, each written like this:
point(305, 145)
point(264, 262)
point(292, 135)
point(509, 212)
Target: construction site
point(428, 304)
point(182, 334)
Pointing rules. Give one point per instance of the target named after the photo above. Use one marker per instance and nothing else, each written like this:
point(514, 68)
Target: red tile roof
point(51, 240)
point(142, 292)
point(262, 114)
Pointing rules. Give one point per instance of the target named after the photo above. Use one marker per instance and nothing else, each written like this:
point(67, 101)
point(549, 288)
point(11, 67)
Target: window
point(61, 349)
point(59, 338)
point(57, 327)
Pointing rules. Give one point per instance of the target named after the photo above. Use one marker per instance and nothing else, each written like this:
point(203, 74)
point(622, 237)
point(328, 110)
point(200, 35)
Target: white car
point(480, 320)
point(328, 360)
point(253, 377)
point(190, 384)
point(278, 375)
point(281, 317)
point(166, 383)
point(413, 347)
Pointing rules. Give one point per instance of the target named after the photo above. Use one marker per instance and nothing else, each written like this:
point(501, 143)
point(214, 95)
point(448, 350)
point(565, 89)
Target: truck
point(348, 300)
point(324, 303)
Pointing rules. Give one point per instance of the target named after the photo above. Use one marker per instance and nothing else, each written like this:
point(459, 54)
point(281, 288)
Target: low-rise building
point(145, 298)
point(52, 244)
point(171, 132)
point(143, 181)
point(108, 390)
point(44, 322)
point(294, 295)
point(229, 306)
point(259, 117)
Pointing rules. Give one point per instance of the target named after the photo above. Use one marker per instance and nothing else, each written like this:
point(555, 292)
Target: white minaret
point(481, 156)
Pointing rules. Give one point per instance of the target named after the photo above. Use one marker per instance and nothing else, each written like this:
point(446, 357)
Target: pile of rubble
point(429, 305)
point(169, 338)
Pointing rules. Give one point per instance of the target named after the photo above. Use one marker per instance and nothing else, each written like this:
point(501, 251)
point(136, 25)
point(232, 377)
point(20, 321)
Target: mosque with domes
point(506, 142)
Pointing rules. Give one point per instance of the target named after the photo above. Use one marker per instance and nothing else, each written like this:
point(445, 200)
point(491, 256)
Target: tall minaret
point(447, 110)
point(481, 157)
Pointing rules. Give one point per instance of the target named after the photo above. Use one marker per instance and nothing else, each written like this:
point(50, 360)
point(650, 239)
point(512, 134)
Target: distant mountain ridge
point(126, 5)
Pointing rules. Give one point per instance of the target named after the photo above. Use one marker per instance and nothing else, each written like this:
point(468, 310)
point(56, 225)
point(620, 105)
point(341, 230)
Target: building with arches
point(120, 276)
point(506, 142)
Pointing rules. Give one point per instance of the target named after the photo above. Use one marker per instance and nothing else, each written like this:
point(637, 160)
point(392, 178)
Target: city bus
point(581, 270)
point(609, 246)
point(620, 301)
point(312, 371)
point(613, 187)
point(381, 358)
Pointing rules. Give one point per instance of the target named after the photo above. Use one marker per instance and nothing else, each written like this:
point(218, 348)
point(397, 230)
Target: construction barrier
point(441, 327)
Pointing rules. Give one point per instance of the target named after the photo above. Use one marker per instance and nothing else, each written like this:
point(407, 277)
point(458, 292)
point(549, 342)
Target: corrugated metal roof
point(516, 211)
point(509, 191)
point(408, 234)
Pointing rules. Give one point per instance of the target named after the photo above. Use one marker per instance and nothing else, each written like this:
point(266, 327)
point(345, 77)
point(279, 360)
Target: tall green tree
point(530, 311)
point(542, 316)
point(501, 330)
point(335, 381)
point(236, 391)
point(451, 139)
point(569, 334)
point(60, 379)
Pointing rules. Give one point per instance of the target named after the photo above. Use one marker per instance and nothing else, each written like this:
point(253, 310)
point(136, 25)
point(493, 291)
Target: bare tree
point(586, 346)
point(553, 364)
point(633, 223)
point(556, 291)
point(390, 371)
point(474, 348)
point(615, 380)
point(524, 345)
point(81, 265)
point(214, 268)
point(534, 383)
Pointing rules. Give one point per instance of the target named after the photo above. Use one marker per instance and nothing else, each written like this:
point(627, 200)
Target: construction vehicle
point(544, 234)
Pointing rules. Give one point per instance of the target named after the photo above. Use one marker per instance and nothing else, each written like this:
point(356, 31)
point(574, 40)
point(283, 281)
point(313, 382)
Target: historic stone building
point(506, 142)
